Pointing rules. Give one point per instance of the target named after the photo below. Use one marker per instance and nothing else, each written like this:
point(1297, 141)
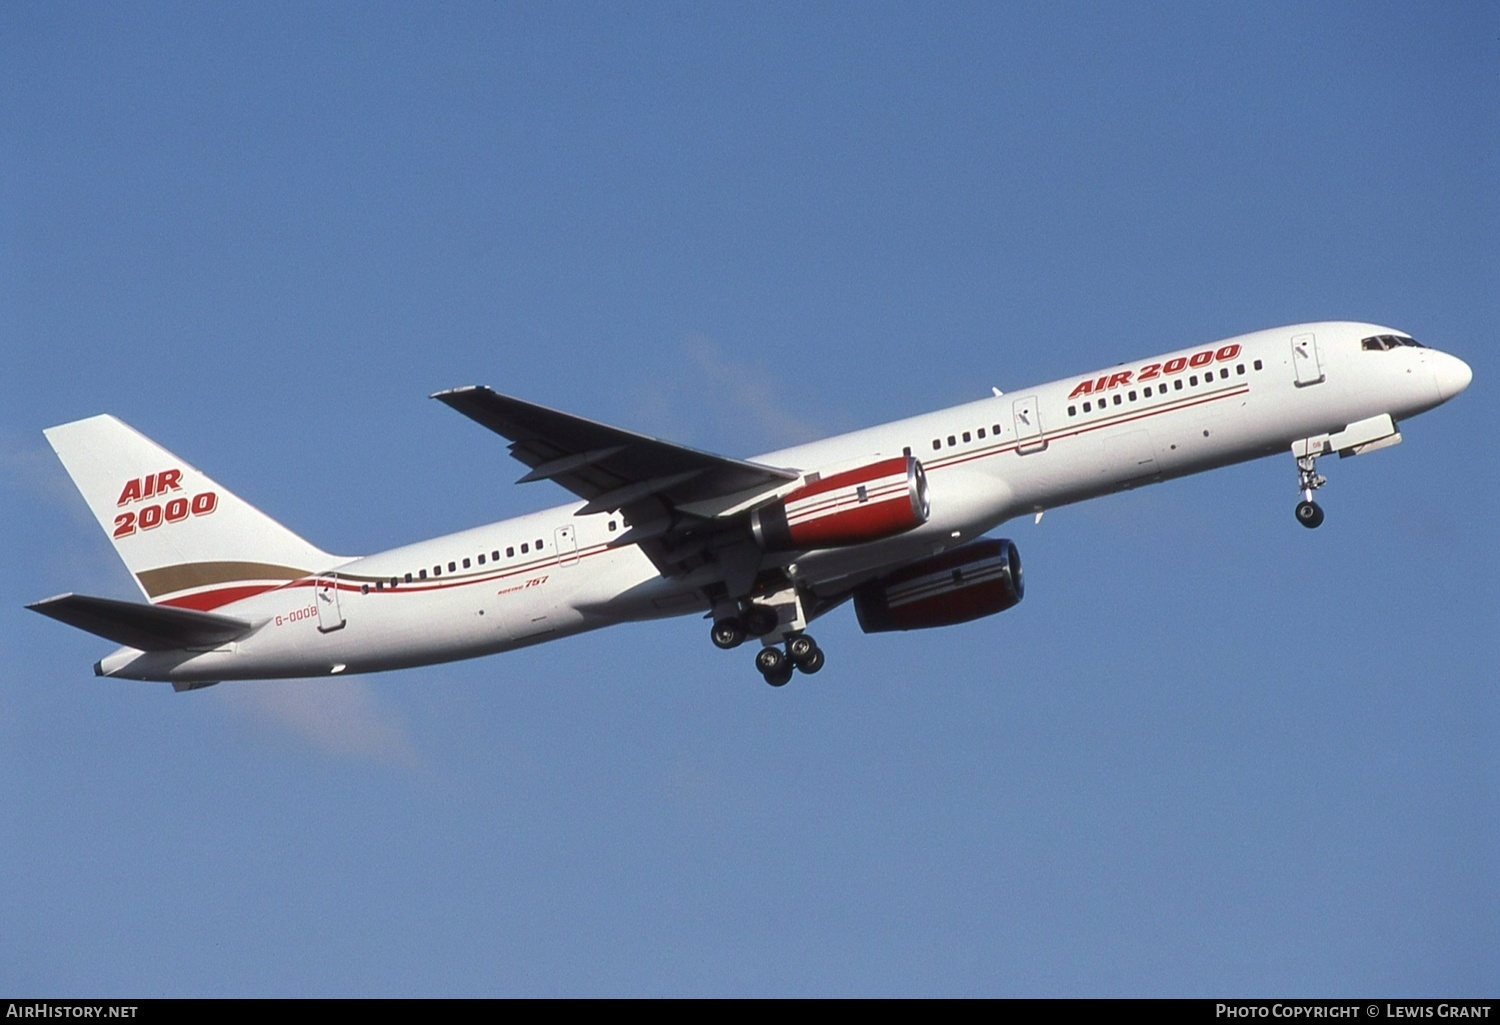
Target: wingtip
point(443, 395)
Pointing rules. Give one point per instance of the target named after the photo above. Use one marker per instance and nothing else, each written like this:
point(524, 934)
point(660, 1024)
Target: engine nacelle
point(974, 580)
point(871, 503)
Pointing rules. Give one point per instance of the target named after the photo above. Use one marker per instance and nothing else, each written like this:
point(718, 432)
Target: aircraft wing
point(608, 467)
point(148, 627)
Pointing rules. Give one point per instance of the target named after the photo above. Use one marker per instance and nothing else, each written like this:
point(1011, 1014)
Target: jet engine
point(973, 580)
point(873, 502)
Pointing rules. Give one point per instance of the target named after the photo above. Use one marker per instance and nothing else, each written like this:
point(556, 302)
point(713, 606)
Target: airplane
point(891, 518)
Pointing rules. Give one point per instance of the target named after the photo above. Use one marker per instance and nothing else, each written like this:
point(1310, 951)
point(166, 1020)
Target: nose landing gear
point(1309, 513)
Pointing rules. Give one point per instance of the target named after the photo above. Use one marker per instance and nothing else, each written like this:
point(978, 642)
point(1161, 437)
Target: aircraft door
point(326, 596)
point(1305, 359)
point(567, 546)
point(1028, 426)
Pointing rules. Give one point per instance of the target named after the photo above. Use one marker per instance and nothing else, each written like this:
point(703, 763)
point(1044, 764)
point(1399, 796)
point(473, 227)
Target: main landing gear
point(775, 664)
point(1309, 513)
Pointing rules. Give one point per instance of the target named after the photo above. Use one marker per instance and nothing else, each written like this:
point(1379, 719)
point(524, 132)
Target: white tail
point(188, 541)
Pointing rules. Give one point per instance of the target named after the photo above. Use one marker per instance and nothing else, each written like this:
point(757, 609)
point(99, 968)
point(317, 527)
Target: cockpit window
point(1379, 343)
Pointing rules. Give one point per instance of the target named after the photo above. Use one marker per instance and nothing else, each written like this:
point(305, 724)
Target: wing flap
point(147, 627)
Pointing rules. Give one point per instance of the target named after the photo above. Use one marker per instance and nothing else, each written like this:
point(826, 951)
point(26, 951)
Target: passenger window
point(1240, 370)
point(452, 568)
point(1258, 365)
point(968, 437)
point(1072, 410)
point(495, 555)
point(422, 574)
point(1118, 400)
point(936, 444)
point(364, 588)
point(1132, 396)
point(408, 577)
point(981, 434)
point(525, 547)
point(1193, 380)
point(437, 571)
point(1177, 384)
point(538, 544)
point(466, 562)
point(996, 429)
point(952, 441)
point(510, 553)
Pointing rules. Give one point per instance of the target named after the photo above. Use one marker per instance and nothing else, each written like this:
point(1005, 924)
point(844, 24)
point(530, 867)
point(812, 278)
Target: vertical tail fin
point(188, 541)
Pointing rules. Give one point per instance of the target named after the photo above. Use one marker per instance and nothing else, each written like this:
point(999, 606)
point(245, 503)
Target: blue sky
point(1211, 753)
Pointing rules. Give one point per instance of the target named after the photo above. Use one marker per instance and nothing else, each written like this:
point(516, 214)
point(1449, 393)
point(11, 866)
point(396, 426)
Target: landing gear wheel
point(727, 633)
point(761, 620)
point(769, 660)
point(1309, 513)
point(804, 651)
point(800, 646)
point(774, 666)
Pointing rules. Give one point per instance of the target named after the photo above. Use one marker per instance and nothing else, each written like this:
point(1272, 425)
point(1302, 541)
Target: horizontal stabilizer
point(147, 627)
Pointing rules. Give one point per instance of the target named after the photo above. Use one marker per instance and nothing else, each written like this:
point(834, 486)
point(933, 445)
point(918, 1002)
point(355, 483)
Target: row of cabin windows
point(967, 436)
point(437, 571)
point(1088, 407)
point(1161, 389)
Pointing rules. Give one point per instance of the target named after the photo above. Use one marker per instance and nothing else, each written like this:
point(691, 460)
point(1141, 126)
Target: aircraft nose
point(1453, 376)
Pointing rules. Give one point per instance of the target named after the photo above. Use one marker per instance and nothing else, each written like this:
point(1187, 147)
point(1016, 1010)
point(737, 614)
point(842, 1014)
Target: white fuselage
point(552, 573)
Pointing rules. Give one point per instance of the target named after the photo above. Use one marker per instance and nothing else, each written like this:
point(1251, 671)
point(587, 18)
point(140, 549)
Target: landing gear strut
point(1309, 513)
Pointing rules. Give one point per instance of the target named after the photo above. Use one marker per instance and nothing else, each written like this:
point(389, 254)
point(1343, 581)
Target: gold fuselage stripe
point(171, 579)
